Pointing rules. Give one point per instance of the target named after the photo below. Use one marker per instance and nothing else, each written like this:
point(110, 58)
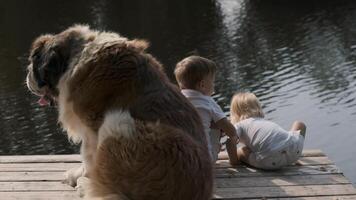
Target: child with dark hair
point(195, 76)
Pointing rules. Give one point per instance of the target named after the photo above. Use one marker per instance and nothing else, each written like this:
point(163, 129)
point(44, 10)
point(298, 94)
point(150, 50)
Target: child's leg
point(215, 142)
point(299, 126)
point(243, 153)
point(295, 150)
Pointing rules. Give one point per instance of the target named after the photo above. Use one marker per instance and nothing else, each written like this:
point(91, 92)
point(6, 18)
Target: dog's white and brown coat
point(141, 139)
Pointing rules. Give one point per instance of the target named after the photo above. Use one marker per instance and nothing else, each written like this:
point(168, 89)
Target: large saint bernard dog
point(140, 138)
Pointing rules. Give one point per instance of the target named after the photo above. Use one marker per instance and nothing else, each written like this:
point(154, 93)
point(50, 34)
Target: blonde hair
point(243, 106)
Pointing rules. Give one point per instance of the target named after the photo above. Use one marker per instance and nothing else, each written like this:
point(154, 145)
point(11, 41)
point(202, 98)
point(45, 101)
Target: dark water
point(297, 56)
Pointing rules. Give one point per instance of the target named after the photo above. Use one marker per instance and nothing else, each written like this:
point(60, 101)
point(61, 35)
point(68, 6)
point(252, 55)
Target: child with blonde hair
point(195, 76)
point(266, 144)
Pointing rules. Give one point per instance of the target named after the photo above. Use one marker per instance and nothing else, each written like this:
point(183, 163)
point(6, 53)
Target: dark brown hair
point(191, 70)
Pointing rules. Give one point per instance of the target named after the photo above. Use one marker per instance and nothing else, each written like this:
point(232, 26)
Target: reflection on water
point(297, 56)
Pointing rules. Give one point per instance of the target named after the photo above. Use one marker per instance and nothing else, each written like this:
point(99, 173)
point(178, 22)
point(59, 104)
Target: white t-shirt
point(262, 137)
point(208, 110)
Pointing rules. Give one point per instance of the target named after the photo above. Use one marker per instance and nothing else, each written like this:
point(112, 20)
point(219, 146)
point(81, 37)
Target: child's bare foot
point(299, 126)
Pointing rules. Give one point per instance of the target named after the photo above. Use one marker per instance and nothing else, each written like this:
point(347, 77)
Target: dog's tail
point(116, 124)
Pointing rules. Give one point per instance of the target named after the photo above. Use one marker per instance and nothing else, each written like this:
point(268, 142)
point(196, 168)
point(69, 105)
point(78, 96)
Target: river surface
point(299, 57)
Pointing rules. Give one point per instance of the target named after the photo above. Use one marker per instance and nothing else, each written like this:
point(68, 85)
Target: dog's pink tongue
point(43, 101)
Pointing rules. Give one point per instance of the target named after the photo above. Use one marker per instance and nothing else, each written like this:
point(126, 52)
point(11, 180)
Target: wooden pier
point(314, 177)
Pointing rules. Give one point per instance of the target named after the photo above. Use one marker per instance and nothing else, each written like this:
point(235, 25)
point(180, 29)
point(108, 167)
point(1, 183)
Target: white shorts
point(281, 158)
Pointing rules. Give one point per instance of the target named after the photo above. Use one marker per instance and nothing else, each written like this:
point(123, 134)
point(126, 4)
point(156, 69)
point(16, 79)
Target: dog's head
point(50, 56)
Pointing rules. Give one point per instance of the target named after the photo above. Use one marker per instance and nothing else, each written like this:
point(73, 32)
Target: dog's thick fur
point(141, 139)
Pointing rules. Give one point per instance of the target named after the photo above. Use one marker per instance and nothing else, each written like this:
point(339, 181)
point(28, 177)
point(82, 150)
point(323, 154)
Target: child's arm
point(232, 152)
point(225, 125)
point(231, 143)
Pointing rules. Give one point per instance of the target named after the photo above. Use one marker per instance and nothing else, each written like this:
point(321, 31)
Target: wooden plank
point(65, 166)
point(302, 161)
point(312, 153)
point(315, 178)
point(45, 195)
point(306, 153)
point(227, 194)
point(287, 171)
point(31, 176)
point(36, 167)
point(314, 161)
point(40, 158)
point(284, 191)
point(220, 173)
point(333, 197)
point(77, 158)
point(220, 183)
point(34, 186)
point(325, 179)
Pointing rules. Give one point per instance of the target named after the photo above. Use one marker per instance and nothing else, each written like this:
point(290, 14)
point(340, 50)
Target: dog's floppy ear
point(36, 58)
point(138, 44)
point(56, 64)
point(39, 43)
point(49, 61)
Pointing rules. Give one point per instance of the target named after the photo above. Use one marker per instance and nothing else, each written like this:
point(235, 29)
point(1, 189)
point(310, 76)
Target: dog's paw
point(71, 176)
point(82, 186)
